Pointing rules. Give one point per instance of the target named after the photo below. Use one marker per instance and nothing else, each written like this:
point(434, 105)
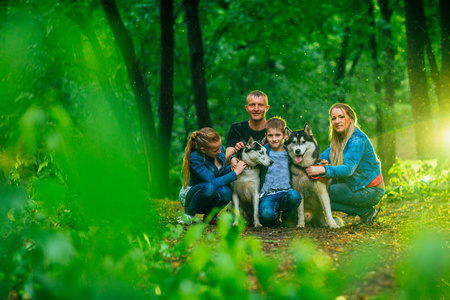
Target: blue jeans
point(270, 206)
point(354, 203)
point(205, 196)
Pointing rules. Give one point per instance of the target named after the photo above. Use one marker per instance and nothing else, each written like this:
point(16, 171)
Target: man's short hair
point(276, 123)
point(258, 94)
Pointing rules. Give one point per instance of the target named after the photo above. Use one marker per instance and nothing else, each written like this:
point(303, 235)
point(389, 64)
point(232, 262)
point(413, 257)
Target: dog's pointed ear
point(308, 129)
point(250, 143)
point(287, 132)
point(264, 141)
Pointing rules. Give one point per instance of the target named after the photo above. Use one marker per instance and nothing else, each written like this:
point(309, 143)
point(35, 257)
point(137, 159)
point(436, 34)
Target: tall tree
point(341, 63)
point(84, 19)
point(139, 86)
point(380, 105)
point(197, 65)
point(3, 14)
point(444, 99)
point(421, 108)
point(440, 78)
point(344, 56)
point(387, 140)
point(166, 110)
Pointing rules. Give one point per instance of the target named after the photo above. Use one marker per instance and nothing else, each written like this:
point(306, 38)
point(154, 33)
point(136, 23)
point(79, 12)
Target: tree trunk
point(444, 99)
point(166, 88)
point(415, 39)
point(103, 76)
point(387, 140)
point(355, 61)
point(432, 61)
point(197, 66)
point(3, 11)
point(340, 70)
point(138, 84)
point(377, 86)
point(3, 15)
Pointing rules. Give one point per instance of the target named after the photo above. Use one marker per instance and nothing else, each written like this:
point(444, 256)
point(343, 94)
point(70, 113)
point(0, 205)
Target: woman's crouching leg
point(201, 198)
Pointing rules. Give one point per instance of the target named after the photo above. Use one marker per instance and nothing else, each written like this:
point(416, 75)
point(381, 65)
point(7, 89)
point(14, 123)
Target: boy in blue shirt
point(276, 194)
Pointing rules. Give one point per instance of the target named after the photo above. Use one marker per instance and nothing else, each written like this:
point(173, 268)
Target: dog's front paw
point(235, 223)
point(334, 226)
point(258, 225)
point(301, 225)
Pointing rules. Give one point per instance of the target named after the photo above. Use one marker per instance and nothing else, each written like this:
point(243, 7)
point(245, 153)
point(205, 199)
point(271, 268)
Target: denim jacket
point(264, 169)
point(360, 164)
point(203, 169)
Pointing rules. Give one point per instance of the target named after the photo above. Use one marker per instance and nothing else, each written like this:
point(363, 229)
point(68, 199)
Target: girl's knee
point(224, 193)
point(208, 189)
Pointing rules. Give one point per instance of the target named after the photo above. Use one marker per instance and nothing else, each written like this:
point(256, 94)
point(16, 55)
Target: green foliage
point(424, 272)
point(76, 221)
point(68, 216)
point(418, 180)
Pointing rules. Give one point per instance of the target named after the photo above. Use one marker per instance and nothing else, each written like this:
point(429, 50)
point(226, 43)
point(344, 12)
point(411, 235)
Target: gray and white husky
point(304, 151)
point(246, 187)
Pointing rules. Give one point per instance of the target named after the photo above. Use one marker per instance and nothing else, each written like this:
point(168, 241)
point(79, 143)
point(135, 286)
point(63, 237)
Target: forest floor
point(390, 236)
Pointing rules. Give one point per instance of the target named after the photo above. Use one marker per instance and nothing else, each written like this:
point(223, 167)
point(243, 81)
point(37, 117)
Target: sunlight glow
point(447, 136)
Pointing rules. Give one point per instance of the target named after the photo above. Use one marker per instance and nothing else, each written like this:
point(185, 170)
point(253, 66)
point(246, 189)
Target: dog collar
point(320, 178)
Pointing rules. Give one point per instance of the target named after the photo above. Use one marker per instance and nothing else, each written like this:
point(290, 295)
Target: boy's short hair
point(276, 123)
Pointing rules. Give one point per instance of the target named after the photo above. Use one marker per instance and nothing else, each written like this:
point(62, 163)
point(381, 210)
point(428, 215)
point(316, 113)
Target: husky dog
point(304, 151)
point(246, 187)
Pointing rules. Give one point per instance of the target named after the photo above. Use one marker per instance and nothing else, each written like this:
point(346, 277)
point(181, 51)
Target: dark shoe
point(370, 217)
point(213, 220)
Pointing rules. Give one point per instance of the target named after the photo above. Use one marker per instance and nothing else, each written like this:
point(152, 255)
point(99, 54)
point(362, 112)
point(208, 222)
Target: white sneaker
point(186, 219)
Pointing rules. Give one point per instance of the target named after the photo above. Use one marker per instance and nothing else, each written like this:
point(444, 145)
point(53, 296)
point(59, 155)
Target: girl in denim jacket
point(206, 175)
point(355, 168)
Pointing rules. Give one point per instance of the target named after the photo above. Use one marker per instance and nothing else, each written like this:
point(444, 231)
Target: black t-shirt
point(241, 132)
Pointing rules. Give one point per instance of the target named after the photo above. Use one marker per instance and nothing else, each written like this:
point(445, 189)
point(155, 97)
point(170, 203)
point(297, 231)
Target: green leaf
point(41, 166)
point(11, 214)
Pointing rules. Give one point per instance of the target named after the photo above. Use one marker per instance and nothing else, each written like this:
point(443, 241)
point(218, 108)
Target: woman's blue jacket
point(203, 169)
point(360, 165)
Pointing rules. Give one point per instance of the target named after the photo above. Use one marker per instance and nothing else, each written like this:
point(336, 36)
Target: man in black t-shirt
point(257, 106)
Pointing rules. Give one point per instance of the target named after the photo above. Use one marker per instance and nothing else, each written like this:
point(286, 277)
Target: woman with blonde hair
point(352, 163)
point(206, 175)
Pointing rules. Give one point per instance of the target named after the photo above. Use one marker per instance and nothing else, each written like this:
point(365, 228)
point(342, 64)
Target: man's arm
point(232, 141)
point(229, 153)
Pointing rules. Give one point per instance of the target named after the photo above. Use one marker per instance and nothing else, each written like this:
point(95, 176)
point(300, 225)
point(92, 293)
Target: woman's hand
point(324, 162)
point(234, 162)
point(315, 170)
point(240, 166)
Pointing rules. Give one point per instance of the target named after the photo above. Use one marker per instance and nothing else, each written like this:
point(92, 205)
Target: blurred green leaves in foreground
point(71, 203)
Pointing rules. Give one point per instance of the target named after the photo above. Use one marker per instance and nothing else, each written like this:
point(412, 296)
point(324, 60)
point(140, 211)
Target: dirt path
point(388, 238)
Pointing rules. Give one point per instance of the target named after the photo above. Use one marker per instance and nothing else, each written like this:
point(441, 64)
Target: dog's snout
point(271, 162)
point(297, 151)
